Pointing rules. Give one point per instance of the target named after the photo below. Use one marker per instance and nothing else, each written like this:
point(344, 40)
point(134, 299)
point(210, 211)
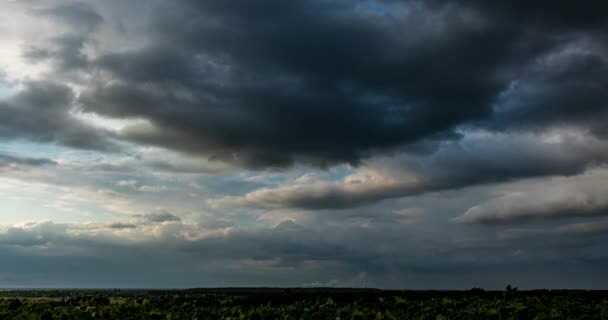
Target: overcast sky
point(406, 143)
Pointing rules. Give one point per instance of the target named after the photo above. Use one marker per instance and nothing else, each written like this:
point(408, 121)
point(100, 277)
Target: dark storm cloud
point(564, 88)
point(271, 83)
point(41, 113)
point(561, 14)
point(274, 83)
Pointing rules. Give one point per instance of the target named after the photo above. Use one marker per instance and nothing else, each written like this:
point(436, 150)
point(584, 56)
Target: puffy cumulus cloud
point(578, 196)
point(479, 158)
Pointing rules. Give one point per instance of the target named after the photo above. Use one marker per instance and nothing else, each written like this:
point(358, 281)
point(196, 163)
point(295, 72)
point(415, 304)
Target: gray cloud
point(310, 82)
point(563, 88)
point(66, 49)
point(288, 254)
point(327, 83)
point(492, 112)
point(474, 160)
point(7, 160)
point(78, 16)
point(160, 217)
point(120, 226)
point(560, 15)
point(110, 167)
point(41, 113)
point(579, 196)
point(32, 234)
point(585, 228)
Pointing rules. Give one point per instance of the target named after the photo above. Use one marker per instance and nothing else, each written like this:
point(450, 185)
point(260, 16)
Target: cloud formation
point(325, 83)
point(303, 142)
point(483, 159)
point(288, 253)
point(580, 196)
point(8, 161)
point(316, 82)
point(41, 113)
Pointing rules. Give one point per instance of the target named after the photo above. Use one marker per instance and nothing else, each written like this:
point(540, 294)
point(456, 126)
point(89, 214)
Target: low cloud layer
point(295, 255)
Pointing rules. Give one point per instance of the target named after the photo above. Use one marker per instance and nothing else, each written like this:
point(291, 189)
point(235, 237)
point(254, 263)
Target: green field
point(260, 303)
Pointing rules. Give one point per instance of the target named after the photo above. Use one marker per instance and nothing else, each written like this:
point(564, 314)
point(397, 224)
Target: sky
point(403, 143)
